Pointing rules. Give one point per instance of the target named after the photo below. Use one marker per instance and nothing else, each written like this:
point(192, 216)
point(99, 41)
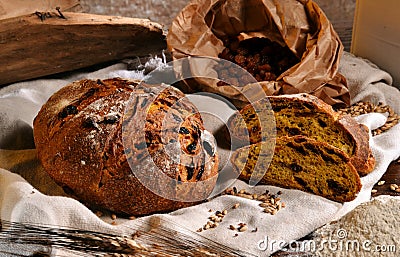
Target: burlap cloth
point(21, 201)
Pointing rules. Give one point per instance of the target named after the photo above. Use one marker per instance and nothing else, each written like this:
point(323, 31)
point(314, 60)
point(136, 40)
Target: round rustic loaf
point(131, 148)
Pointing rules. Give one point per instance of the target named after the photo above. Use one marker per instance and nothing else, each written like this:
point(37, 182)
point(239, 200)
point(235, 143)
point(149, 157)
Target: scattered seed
point(254, 230)
point(271, 201)
point(214, 220)
point(262, 198)
point(113, 216)
point(229, 192)
point(398, 190)
point(245, 196)
point(367, 107)
point(242, 228)
point(132, 217)
point(393, 187)
point(380, 183)
point(235, 206)
point(232, 227)
point(374, 191)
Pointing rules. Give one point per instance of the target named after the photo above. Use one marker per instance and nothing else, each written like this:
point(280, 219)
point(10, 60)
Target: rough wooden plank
point(32, 47)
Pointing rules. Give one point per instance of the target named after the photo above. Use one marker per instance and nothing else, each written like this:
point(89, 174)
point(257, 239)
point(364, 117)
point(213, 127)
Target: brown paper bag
point(203, 25)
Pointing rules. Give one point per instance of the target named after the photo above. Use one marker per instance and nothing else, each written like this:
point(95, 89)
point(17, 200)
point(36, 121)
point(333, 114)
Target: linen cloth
point(21, 201)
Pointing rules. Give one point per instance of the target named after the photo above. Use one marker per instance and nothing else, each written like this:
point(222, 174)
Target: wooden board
point(41, 44)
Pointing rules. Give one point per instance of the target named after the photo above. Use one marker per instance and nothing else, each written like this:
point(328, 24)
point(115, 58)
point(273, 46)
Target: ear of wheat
point(158, 241)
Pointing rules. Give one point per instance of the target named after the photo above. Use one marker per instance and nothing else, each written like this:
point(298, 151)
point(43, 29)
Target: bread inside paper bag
point(203, 26)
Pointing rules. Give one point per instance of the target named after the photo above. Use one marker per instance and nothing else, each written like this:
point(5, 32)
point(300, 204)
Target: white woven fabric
point(21, 202)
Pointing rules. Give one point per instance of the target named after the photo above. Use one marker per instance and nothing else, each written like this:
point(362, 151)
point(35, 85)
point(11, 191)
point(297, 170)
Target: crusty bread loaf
point(89, 139)
point(300, 163)
point(303, 114)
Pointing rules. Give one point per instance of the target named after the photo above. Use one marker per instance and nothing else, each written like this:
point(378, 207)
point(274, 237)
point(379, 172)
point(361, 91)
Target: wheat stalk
point(159, 241)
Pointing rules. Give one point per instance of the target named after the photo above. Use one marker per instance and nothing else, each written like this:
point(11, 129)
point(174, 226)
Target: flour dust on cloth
point(20, 201)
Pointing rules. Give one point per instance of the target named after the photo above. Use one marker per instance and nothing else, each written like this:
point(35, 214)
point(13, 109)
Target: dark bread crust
point(362, 159)
point(304, 114)
point(79, 138)
point(301, 163)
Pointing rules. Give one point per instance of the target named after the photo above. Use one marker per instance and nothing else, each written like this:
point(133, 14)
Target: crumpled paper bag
point(201, 27)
